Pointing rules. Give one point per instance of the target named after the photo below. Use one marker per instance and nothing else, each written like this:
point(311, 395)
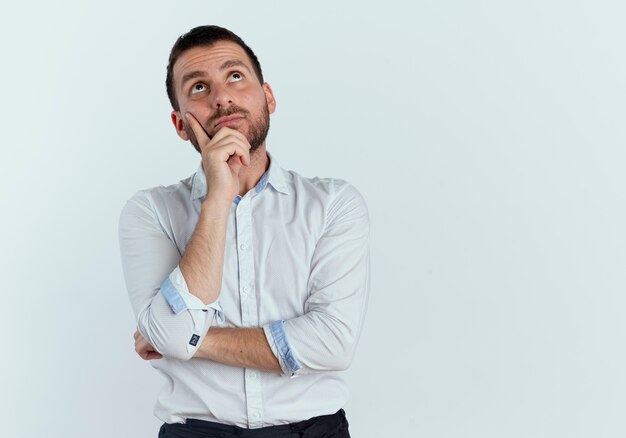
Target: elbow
point(340, 345)
point(326, 346)
point(172, 344)
point(342, 360)
point(336, 356)
point(344, 365)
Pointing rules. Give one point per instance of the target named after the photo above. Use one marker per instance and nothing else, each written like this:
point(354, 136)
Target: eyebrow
point(233, 63)
point(226, 65)
point(191, 75)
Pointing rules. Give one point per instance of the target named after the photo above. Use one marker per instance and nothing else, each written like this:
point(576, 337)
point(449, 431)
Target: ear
point(177, 120)
point(269, 98)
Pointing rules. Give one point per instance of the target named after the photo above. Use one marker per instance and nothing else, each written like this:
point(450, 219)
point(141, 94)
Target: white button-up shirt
point(296, 263)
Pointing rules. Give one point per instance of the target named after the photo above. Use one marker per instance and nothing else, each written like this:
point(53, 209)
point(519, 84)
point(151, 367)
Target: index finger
point(201, 135)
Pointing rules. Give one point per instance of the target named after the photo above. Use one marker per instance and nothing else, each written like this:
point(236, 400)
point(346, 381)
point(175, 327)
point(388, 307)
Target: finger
point(237, 154)
point(229, 148)
point(136, 334)
point(236, 150)
point(142, 350)
point(198, 130)
point(235, 160)
point(225, 132)
point(140, 343)
point(241, 160)
point(235, 164)
point(145, 350)
point(227, 136)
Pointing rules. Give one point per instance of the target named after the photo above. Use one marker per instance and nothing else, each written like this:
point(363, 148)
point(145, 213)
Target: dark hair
point(203, 36)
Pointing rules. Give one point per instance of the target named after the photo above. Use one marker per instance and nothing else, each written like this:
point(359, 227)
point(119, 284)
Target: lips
point(231, 120)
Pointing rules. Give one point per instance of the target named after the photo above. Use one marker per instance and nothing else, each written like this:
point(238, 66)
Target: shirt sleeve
point(324, 338)
point(169, 317)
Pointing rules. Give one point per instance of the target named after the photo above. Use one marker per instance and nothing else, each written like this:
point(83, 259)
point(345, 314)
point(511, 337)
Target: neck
point(250, 176)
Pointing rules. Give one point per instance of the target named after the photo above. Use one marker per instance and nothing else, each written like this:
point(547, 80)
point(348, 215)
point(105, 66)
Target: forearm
point(202, 263)
point(240, 347)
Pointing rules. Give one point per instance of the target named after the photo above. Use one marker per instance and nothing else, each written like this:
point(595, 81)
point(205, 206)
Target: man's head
point(204, 36)
point(213, 74)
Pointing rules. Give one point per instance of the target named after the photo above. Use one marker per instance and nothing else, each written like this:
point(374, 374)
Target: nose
point(221, 97)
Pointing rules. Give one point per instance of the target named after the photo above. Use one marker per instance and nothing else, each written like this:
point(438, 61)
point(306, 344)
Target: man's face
point(218, 86)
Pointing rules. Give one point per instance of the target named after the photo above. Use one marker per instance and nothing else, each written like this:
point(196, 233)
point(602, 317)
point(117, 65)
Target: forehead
point(209, 58)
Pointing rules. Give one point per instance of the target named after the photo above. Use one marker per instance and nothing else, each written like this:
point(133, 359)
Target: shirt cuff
point(277, 339)
point(177, 295)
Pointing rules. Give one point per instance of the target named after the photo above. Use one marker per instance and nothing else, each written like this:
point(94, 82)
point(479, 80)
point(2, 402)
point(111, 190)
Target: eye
point(198, 88)
point(235, 76)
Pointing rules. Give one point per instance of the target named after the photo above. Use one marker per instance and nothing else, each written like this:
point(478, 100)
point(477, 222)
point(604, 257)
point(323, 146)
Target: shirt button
point(256, 415)
point(246, 289)
point(252, 375)
point(243, 247)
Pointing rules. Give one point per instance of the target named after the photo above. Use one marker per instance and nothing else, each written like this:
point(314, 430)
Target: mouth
point(229, 121)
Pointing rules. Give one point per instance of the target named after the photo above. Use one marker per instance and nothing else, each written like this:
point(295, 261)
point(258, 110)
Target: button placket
point(249, 314)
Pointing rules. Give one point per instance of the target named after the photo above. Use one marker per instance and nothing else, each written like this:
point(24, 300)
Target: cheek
point(255, 102)
point(200, 112)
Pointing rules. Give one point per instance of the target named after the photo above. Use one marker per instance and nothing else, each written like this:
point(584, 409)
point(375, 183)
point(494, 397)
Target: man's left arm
point(240, 347)
point(324, 338)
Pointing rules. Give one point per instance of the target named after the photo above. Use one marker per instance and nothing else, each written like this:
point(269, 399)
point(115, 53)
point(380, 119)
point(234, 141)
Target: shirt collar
point(274, 175)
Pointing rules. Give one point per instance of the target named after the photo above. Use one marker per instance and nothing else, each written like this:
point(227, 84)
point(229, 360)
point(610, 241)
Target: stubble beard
point(257, 133)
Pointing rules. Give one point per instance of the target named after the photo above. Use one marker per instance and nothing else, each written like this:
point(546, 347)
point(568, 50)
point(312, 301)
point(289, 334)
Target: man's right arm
point(174, 298)
point(202, 263)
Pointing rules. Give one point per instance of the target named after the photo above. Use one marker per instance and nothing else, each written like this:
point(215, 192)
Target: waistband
point(311, 427)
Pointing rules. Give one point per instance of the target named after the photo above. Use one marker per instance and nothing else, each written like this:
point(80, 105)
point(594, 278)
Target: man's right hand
point(223, 155)
point(144, 349)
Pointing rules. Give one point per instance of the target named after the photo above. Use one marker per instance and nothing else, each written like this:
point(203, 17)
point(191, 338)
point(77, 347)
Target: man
point(249, 282)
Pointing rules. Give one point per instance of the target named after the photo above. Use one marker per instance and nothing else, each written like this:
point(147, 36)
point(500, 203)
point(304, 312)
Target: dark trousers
point(325, 426)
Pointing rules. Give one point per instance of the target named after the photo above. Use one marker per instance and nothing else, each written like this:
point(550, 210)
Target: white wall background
point(487, 137)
